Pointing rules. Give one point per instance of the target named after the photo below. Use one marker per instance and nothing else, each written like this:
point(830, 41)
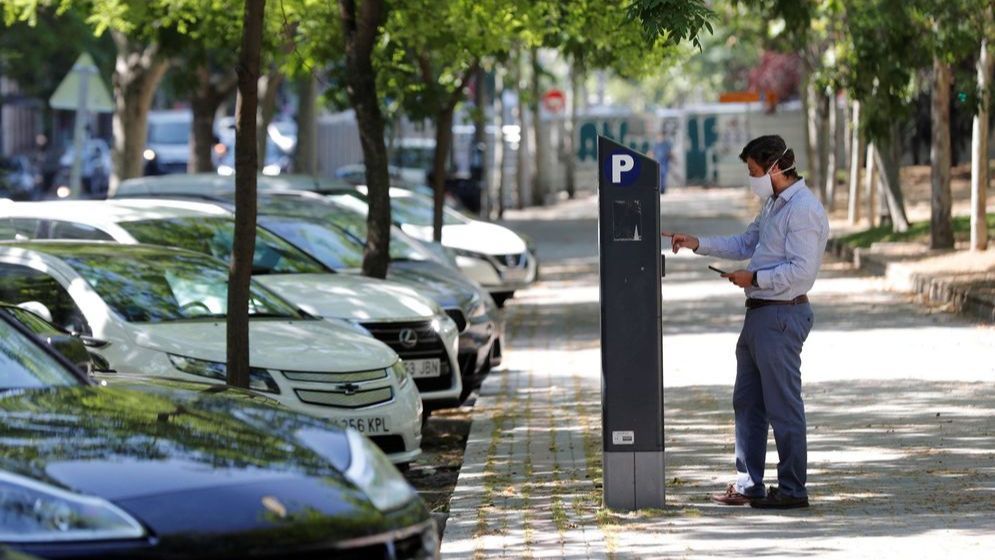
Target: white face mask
point(762, 185)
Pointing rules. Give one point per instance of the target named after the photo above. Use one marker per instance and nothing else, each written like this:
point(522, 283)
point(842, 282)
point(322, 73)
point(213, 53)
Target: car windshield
point(417, 211)
point(214, 236)
point(402, 247)
point(25, 365)
point(146, 286)
point(335, 248)
point(169, 132)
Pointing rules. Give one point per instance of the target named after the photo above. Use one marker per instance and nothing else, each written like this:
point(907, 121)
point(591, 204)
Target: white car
point(167, 149)
point(494, 256)
point(160, 311)
point(413, 326)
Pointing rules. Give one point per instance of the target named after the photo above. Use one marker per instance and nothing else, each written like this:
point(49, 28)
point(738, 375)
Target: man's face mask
point(762, 185)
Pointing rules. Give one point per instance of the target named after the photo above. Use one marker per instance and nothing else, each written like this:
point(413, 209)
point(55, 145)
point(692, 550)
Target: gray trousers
point(769, 392)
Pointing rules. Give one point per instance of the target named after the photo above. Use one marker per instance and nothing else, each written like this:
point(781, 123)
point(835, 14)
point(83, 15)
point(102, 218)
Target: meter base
point(634, 480)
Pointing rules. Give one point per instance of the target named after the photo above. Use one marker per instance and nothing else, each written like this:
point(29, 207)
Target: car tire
point(501, 297)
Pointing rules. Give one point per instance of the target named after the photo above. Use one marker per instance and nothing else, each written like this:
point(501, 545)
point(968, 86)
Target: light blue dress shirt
point(784, 243)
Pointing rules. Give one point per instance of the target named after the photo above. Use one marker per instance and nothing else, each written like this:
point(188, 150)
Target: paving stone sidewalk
point(900, 402)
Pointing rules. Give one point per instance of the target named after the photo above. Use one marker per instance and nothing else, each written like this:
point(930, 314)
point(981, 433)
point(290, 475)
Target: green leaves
point(671, 20)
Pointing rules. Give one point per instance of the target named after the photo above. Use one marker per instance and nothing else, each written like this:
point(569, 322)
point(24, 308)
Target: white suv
point(413, 326)
point(160, 312)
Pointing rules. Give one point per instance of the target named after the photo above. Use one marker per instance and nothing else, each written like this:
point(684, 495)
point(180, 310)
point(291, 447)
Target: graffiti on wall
point(633, 132)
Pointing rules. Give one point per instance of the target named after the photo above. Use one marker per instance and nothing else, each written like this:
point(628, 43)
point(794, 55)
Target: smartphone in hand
point(717, 270)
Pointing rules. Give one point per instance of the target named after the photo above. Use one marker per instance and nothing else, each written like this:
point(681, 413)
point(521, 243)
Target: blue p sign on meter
point(631, 345)
point(622, 167)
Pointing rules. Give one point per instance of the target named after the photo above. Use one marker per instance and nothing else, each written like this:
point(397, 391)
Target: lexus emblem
point(408, 338)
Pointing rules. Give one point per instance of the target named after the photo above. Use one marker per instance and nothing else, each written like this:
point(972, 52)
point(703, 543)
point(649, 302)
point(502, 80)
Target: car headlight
point(443, 325)
point(401, 373)
point(477, 306)
point(259, 379)
point(372, 472)
point(148, 154)
point(31, 511)
point(271, 170)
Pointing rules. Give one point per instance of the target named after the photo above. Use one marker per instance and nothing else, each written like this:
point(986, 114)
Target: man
point(662, 152)
point(785, 245)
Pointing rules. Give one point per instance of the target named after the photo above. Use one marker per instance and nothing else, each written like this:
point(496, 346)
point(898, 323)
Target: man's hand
point(741, 278)
point(679, 240)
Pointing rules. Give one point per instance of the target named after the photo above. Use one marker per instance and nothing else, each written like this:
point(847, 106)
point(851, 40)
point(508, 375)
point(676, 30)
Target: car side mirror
point(38, 308)
point(71, 348)
point(91, 342)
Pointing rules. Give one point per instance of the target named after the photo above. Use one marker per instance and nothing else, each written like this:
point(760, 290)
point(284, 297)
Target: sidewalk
point(900, 405)
point(962, 281)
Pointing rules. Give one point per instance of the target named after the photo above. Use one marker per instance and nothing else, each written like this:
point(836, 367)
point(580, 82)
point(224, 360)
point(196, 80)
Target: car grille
point(409, 547)
point(330, 377)
point(389, 444)
point(428, 346)
point(343, 398)
point(518, 260)
point(173, 167)
point(458, 317)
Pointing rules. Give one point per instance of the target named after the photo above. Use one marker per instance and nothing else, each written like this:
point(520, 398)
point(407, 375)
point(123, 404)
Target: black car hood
point(121, 443)
point(211, 472)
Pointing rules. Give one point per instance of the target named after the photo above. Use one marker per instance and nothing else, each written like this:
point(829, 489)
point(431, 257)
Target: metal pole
point(75, 175)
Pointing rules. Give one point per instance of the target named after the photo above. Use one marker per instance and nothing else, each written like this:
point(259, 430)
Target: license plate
point(423, 368)
point(372, 425)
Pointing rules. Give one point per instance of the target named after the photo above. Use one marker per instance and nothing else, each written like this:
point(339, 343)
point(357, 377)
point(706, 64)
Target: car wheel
point(501, 297)
point(465, 394)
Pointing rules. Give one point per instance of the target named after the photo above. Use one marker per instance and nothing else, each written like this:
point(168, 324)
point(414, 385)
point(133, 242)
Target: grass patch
point(917, 231)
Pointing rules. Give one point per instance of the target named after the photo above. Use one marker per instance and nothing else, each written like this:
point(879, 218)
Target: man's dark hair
point(767, 150)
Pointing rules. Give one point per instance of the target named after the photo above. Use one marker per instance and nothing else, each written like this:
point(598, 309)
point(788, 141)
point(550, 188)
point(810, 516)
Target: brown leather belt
point(752, 303)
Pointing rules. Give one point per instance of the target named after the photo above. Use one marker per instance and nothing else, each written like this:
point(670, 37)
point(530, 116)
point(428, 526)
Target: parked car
point(160, 311)
point(180, 470)
point(414, 326)
point(334, 235)
point(19, 179)
point(494, 256)
point(167, 149)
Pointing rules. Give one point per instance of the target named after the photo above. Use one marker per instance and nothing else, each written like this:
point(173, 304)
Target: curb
point(933, 288)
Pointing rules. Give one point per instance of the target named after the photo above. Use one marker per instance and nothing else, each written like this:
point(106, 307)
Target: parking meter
point(631, 339)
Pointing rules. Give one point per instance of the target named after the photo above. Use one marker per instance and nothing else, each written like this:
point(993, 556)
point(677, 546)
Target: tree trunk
point(869, 181)
point(833, 139)
point(853, 202)
point(539, 185)
point(305, 152)
point(888, 160)
point(941, 232)
point(244, 243)
point(207, 97)
point(137, 72)
point(809, 108)
point(479, 152)
point(361, 32)
point(499, 152)
point(269, 87)
point(823, 141)
point(571, 131)
point(980, 170)
point(440, 159)
point(522, 174)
